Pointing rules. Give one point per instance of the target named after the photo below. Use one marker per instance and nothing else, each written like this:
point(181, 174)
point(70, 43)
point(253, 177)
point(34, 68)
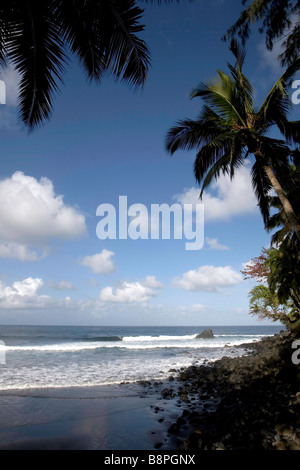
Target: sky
point(106, 142)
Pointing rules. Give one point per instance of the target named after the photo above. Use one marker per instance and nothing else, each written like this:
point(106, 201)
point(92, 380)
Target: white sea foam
point(74, 357)
point(139, 342)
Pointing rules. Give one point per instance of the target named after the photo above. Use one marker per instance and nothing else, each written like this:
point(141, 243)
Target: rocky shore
point(250, 402)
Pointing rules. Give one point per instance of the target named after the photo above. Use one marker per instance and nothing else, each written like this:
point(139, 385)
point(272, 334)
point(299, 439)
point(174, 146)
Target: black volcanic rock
point(206, 334)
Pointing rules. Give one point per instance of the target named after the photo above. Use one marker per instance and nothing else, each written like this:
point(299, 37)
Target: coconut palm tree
point(37, 38)
point(231, 130)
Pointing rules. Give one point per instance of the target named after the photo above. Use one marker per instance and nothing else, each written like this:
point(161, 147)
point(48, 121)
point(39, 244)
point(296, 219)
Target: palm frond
point(185, 135)
point(128, 58)
point(221, 165)
point(189, 134)
point(239, 52)
point(221, 95)
point(290, 130)
point(3, 33)
point(37, 36)
point(238, 151)
point(262, 186)
point(103, 36)
point(36, 50)
point(81, 24)
point(277, 103)
point(243, 85)
point(210, 153)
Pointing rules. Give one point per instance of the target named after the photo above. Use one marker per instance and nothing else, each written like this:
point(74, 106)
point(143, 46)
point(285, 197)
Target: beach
point(247, 402)
point(96, 418)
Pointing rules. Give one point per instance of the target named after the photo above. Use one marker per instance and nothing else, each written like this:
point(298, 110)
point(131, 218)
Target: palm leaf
point(210, 153)
point(278, 99)
point(3, 34)
point(221, 95)
point(36, 50)
point(189, 134)
point(34, 36)
point(81, 26)
point(127, 55)
point(290, 130)
point(221, 165)
point(103, 36)
point(262, 186)
point(244, 88)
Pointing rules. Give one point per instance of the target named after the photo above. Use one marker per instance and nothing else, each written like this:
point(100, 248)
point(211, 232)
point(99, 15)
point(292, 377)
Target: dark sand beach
point(250, 402)
point(92, 418)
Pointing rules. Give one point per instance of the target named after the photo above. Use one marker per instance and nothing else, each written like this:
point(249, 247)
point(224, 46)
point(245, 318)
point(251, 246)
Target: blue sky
point(107, 141)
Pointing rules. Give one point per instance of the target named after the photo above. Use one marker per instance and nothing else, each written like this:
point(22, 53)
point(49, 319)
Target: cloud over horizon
point(131, 292)
point(208, 279)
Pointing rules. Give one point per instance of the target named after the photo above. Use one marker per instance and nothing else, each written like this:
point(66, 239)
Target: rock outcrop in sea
point(206, 334)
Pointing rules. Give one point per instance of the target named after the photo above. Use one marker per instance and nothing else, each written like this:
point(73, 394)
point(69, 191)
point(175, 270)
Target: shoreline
point(247, 402)
point(102, 418)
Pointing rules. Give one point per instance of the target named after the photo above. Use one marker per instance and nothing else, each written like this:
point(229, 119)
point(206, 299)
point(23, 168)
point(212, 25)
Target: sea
point(40, 357)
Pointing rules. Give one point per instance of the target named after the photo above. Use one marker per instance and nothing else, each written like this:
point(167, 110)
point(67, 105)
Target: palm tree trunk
point(287, 207)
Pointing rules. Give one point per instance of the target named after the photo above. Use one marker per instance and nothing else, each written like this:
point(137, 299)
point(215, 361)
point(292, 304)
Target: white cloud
point(127, 292)
point(225, 198)
point(215, 245)
point(100, 263)
point(25, 296)
point(17, 251)
point(22, 294)
point(208, 278)
point(152, 282)
point(32, 214)
point(29, 287)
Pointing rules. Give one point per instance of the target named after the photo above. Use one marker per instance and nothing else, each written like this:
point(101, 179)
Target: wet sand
point(126, 417)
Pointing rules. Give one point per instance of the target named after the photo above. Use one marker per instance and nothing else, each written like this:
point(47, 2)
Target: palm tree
point(230, 129)
point(37, 37)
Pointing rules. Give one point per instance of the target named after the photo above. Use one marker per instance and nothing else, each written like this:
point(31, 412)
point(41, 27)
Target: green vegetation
point(275, 299)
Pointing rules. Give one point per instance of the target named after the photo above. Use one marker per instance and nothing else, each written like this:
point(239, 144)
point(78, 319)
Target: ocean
point(39, 357)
